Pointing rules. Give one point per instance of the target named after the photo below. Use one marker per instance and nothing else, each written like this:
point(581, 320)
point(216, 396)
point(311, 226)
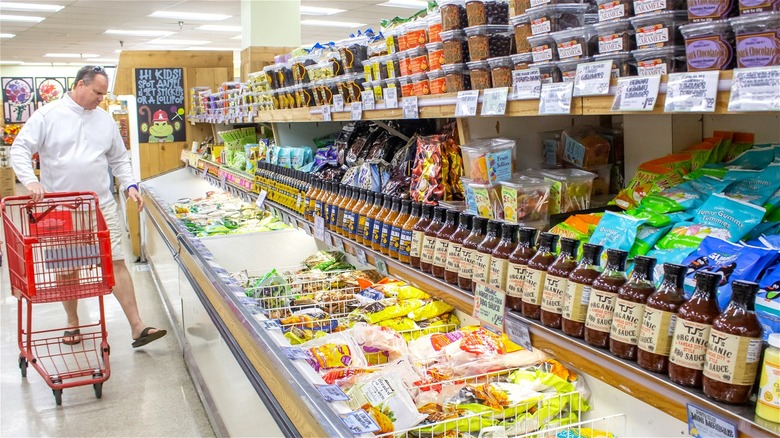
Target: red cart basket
point(59, 250)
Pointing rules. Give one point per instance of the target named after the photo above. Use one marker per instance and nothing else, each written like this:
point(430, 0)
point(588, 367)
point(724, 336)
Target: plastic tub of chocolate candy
point(522, 28)
point(622, 63)
point(556, 17)
point(576, 43)
point(481, 12)
point(453, 14)
point(480, 75)
point(455, 46)
point(457, 77)
point(615, 36)
point(489, 41)
point(709, 45)
point(543, 48)
point(659, 29)
point(757, 39)
point(548, 72)
point(501, 71)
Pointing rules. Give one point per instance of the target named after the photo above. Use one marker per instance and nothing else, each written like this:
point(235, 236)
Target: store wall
point(39, 71)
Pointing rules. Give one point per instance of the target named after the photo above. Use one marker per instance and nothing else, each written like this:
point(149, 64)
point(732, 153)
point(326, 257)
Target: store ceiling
point(79, 28)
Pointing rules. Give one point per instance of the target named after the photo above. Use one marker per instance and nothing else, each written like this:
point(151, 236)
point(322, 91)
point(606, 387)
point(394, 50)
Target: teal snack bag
point(284, 159)
point(737, 218)
point(616, 231)
point(773, 207)
point(757, 189)
point(777, 153)
point(675, 256)
point(756, 158)
point(685, 196)
point(646, 237)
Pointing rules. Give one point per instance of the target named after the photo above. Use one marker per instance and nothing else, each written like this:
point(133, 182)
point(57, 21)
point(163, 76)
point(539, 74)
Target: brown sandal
point(71, 337)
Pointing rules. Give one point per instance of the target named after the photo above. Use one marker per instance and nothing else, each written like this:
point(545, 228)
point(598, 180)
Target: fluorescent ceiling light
point(164, 41)
point(7, 35)
point(323, 23)
point(24, 18)
point(30, 7)
point(70, 55)
point(139, 33)
point(237, 37)
point(118, 51)
point(11, 63)
point(219, 28)
point(104, 60)
point(189, 16)
point(313, 10)
point(408, 4)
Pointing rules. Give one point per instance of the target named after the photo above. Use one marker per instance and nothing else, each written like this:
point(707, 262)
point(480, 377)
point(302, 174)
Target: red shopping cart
point(59, 250)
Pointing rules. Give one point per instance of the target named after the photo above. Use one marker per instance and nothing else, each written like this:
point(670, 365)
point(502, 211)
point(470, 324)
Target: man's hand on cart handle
point(133, 194)
point(36, 191)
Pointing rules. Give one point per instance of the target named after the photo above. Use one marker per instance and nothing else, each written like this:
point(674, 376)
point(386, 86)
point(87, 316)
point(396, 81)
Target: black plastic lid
point(406, 205)
point(479, 225)
point(548, 242)
point(569, 246)
point(744, 293)
point(379, 198)
point(527, 236)
point(616, 259)
point(643, 267)
point(465, 220)
point(396, 204)
point(591, 253)
point(707, 283)
point(439, 214)
point(427, 211)
point(675, 274)
point(509, 231)
point(452, 216)
point(416, 208)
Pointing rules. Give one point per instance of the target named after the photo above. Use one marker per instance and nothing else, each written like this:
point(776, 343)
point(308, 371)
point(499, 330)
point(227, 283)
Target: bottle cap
point(591, 253)
point(644, 265)
point(675, 273)
point(617, 259)
point(509, 231)
point(707, 281)
point(465, 220)
point(569, 246)
point(440, 213)
point(774, 340)
point(452, 216)
point(493, 226)
point(480, 224)
point(744, 292)
point(527, 235)
point(548, 241)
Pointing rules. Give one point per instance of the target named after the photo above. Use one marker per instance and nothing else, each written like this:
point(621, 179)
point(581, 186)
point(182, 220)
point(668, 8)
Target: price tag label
point(517, 331)
point(192, 122)
point(319, 228)
point(636, 93)
point(223, 181)
point(269, 324)
point(295, 353)
point(356, 111)
point(381, 267)
point(338, 103)
point(556, 98)
point(703, 423)
point(326, 115)
point(391, 97)
point(331, 393)
point(411, 110)
point(494, 101)
point(526, 84)
point(359, 422)
point(489, 305)
point(338, 244)
point(755, 89)
point(369, 102)
point(328, 239)
point(692, 92)
point(466, 104)
point(593, 78)
point(361, 256)
point(261, 199)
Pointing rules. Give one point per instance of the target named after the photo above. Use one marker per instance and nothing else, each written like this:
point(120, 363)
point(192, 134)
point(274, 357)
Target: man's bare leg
point(125, 294)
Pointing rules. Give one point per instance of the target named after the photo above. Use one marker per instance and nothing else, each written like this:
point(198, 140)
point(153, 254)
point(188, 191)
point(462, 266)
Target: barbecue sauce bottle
point(692, 331)
point(429, 240)
point(338, 209)
point(418, 235)
point(456, 244)
point(601, 306)
point(346, 221)
point(499, 261)
point(481, 261)
point(368, 228)
point(536, 275)
point(655, 336)
point(379, 223)
point(734, 348)
point(517, 267)
point(405, 245)
point(630, 308)
point(556, 281)
point(397, 228)
point(362, 216)
point(387, 226)
point(578, 287)
point(354, 218)
point(443, 244)
point(478, 231)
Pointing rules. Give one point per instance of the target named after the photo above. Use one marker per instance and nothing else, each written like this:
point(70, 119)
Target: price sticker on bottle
point(466, 103)
point(381, 266)
point(489, 306)
point(326, 115)
point(369, 102)
point(518, 332)
point(556, 98)
point(411, 108)
point(494, 101)
point(526, 84)
point(359, 422)
point(692, 92)
point(338, 244)
point(391, 97)
point(636, 93)
point(356, 111)
point(755, 89)
point(593, 78)
point(361, 256)
point(331, 393)
point(261, 199)
point(319, 228)
point(338, 103)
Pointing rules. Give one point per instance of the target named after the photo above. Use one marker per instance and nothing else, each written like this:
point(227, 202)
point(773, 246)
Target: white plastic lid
point(774, 340)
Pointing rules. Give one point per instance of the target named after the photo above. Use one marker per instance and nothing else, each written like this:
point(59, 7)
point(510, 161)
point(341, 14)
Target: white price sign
point(692, 92)
point(556, 98)
point(261, 199)
point(755, 89)
point(326, 115)
point(489, 305)
point(411, 109)
point(494, 101)
point(331, 393)
point(356, 110)
point(391, 97)
point(359, 422)
point(466, 104)
point(381, 266)
point(369, 102)
point(636, 93)
point(517, 331)
point(593, 78)
point(526, 84)
point(319, 228)
point(361, 256)
point(338, 244)
point(338, 103)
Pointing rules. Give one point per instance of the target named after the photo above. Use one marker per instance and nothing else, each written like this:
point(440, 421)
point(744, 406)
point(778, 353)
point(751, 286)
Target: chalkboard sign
point(160, 96)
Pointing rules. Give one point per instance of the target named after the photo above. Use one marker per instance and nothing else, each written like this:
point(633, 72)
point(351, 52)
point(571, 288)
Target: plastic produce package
point(584, 147)
point(334, 351)
point(379, 344)
point(570, 189)
point(526, 200)
point(387, 401)
point(685, 196)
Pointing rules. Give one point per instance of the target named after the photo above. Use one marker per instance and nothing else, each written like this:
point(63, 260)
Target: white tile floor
point(148, 394)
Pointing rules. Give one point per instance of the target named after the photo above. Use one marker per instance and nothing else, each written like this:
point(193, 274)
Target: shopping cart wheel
point(98, 389)
point(23, 366)
point(57, 396)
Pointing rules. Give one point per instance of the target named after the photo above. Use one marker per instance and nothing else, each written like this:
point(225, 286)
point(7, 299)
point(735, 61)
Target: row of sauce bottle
point(691, 340)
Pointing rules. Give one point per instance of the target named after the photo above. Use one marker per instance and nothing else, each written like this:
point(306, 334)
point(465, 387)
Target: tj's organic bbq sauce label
point(534, 283)
point(732, 359)
point(453, 257)
point(417, 240)
point(689, 344)
point(600, 310)
point(626, 321)
point(552, 296)
point(515, 280)
point(655, 336)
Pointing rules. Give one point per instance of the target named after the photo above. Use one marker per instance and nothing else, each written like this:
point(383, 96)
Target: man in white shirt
point(77, 142)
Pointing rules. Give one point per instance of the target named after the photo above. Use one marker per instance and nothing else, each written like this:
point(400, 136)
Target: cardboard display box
point(7, 182)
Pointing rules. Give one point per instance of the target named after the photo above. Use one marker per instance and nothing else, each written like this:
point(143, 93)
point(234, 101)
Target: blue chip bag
point(616, 231)
point(768, 302)
point(676, 256)
point(732, 260)
point(685, 196)
point(758, 157)
point(736, 217)
point(757, 189)
point(297, 157)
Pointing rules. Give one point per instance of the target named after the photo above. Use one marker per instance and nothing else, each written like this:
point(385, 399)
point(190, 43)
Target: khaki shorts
point(114, 225)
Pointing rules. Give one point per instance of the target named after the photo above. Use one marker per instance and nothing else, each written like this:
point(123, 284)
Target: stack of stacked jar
point(259, 88)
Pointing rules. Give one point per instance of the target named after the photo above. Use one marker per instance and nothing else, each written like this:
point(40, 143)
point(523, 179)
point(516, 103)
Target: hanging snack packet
point(648, 179)
point(717, 171)
point(757, 189)
point(686, 196)
point(659, 220)
point(768, 302)
point(740, 143)
point(616, 231)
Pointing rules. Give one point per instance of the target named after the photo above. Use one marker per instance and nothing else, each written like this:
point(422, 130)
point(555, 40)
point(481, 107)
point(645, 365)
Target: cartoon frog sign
point(159, 127)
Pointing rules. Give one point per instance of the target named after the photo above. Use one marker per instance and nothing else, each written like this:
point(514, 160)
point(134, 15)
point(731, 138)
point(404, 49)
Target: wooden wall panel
point(255, 58)
point(129, 60)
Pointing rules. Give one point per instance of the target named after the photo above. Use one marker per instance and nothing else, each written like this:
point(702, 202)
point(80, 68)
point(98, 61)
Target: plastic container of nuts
point(403, 63)
point(622, 63)
point(757, 39)
point(709, 45)
point(543, 48)
point(615, 36)
point(453, 14)
point(435, 55)
point(556, 17)
point(614, 9)
point(522, 28)
point(659, 60)
point(457, 77)
point(489, 41)
point(420, 85)
point(454, 46)
point(416, 34)
point(481, 12)
point(392, 65)
point(480, 75)
point(434, 28)
point(437, 82)
point(501, 71)
point(576, 43)
point(407, 88)
point(659, 29)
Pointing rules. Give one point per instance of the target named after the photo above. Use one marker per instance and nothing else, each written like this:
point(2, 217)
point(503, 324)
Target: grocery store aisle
point(149, 392)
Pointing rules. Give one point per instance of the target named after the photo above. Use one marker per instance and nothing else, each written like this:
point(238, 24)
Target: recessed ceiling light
point(7, 35)
point(407, 4)
point(118, 51)
point(323, 23)
point(219, 28)
point(237, 37)
point(139, 33)
point(24, 18)
point(30, 7)
point(164, 41)
point(104, 60)
point(189, 16)
point(70, 55)
point(312, 10)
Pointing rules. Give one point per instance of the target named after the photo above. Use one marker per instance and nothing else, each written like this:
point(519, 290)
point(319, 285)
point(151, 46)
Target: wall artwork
point(48, 90)
point(18, 99)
